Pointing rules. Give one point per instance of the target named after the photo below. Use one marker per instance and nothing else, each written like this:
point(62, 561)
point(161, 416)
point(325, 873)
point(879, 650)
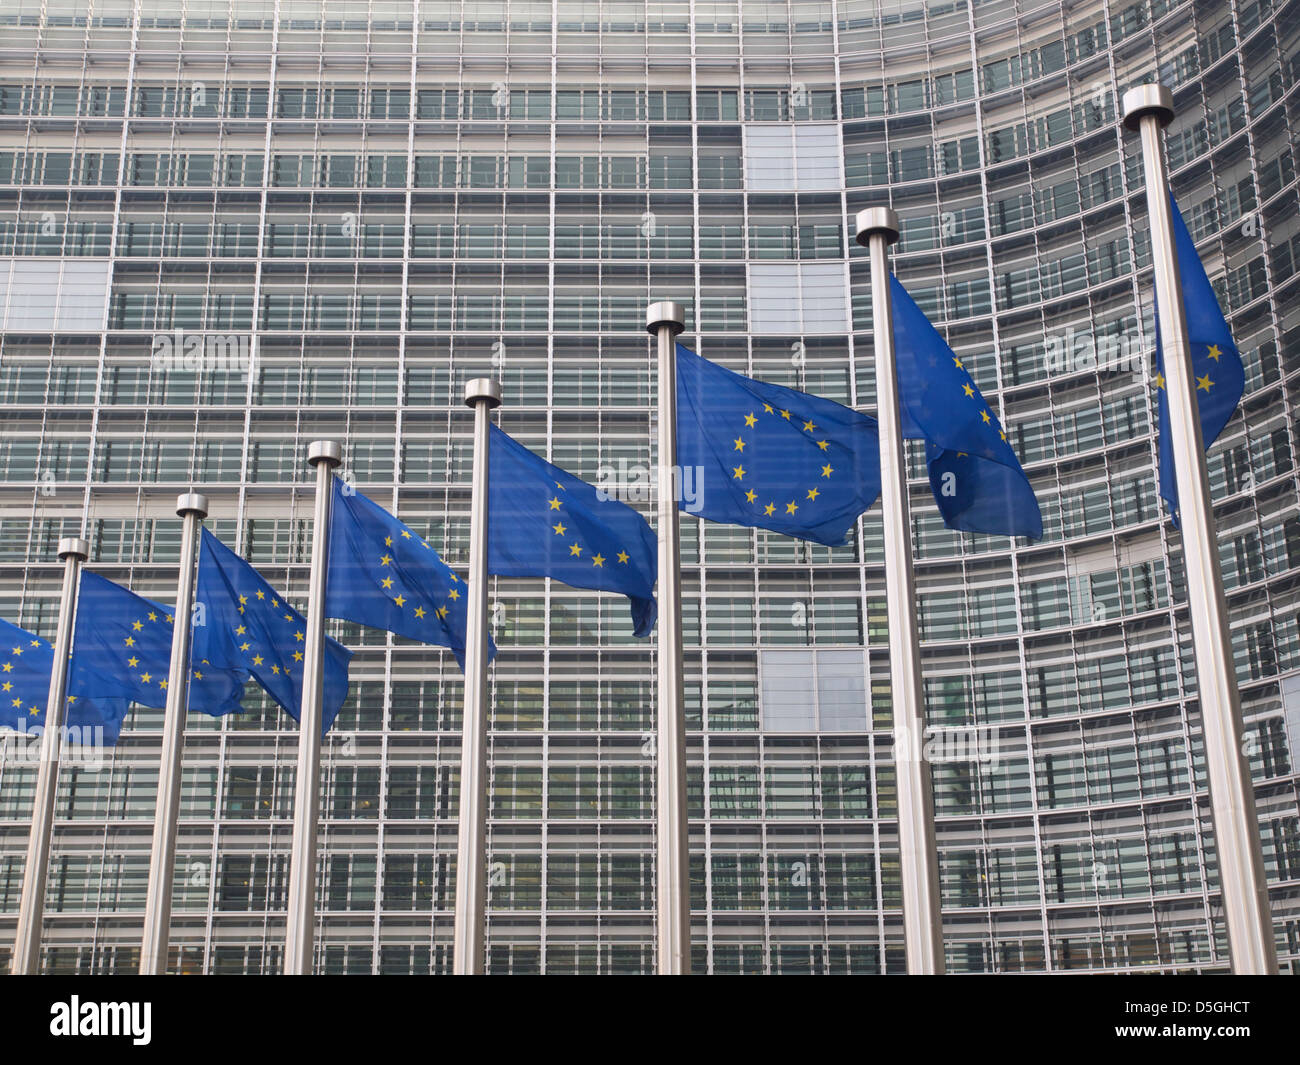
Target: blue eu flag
point(25, 664)
point(976, 478)
point(384, 575)
point(772, 457)
point(545, 522)
point(122, 646)
point(248, 625)
point(1216, 364)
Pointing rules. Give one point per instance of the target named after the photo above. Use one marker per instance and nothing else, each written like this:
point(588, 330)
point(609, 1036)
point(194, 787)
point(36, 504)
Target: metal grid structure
point(603, 155)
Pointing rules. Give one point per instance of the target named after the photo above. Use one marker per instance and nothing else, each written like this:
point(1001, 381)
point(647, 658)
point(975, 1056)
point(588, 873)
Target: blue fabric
point(772, 457)
point(977, 481)
point(25, 665)
point(246, 624)
point(1219, 375)
point(384, 575)
point(122, 646)
point(544, 522)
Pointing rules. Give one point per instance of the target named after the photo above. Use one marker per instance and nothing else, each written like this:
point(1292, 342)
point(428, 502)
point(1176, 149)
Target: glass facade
point(231, 227)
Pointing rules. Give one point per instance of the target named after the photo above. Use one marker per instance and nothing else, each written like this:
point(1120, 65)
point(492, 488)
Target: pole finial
point(483, 389)
point(877, 220)
point(1150, 99)
point(192, 503)
point(75, 547)
point(666, 312)
point(328, 451)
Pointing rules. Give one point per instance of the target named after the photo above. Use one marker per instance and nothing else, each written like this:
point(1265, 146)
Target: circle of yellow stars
point(242, 630)
point(400, 600)
point(575, 548)
point(739, 473)
point(133, 662)
point(33, 709)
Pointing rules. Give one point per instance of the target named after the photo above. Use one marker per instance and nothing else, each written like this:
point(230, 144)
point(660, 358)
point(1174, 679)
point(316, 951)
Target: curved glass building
point(231, 227)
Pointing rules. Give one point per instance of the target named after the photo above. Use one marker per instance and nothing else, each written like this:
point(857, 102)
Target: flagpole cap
point(668, 313)
point(74, 547)
point(483, 390)
point(1150, 99)
point(327, 451)
point(877, 220)
point(192, 503)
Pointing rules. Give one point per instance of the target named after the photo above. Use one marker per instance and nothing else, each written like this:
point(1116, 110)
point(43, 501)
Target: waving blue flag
point(384, 575)
point(25, 665)
point(122, 646)
point(976, 478)
point(1216, 363)
point(772, 457)
point(545, 522)
point(248, 625)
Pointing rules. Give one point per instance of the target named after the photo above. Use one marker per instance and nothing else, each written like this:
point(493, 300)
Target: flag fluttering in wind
point(25, 665)
point(978, 483)
point(247, 624)
point(545, 522)
point(383, 574)
point(772, 457)
point(1220, 378)
point(122, 646)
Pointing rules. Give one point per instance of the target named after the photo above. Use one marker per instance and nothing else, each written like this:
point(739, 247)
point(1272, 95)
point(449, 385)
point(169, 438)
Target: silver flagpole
point(300, 927)
point(672, 852)
point(31, 909)
point(918, 855)
point(192, 508)
point(469, 933)
point(1147, 109)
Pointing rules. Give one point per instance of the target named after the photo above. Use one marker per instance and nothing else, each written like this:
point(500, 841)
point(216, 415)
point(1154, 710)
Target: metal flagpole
point(468, 952)
point(192, 508)
point(918, 855)
point(31, 909)
point(1146, 109)
point(300, 926)
point(672, 853)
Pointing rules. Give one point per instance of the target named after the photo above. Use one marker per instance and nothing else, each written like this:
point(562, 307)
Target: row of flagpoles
point(693, 411)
